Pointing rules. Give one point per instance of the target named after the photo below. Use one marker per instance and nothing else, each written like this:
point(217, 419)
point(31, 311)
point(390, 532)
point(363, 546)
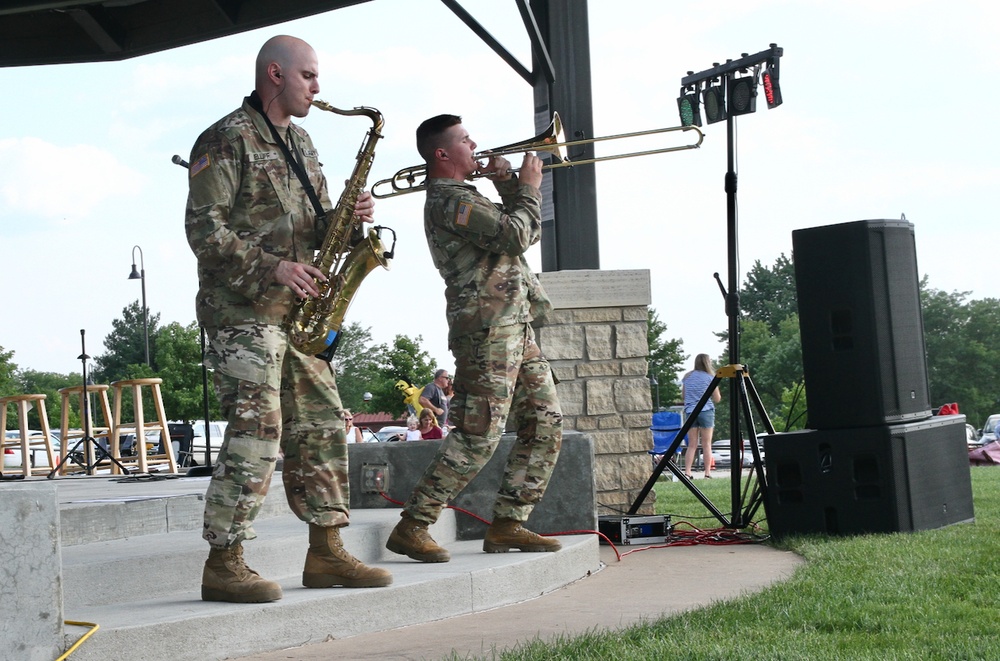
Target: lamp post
point(655, 384)
point(141, 275)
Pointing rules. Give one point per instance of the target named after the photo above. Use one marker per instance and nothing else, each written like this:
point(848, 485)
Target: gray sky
point(885, 113)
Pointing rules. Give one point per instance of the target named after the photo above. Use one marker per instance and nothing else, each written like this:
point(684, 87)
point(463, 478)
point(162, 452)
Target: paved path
point(642, 586)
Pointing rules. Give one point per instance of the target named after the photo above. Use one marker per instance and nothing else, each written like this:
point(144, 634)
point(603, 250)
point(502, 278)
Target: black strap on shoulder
point(255, 103)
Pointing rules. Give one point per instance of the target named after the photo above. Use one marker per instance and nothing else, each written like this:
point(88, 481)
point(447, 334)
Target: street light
point(656, 384)
point(141, 275)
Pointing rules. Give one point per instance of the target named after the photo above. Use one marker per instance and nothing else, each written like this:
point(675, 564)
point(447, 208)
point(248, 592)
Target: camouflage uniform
point(246, 212)
point(492, 296)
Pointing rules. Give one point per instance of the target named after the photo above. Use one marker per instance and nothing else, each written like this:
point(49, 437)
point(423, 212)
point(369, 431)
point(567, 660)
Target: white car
point(12, 455)
point(988, 433)
point(216, 431)
point(391, 434)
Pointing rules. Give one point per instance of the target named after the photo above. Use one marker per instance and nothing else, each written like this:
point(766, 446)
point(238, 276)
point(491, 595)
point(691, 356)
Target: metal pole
point(141, 275)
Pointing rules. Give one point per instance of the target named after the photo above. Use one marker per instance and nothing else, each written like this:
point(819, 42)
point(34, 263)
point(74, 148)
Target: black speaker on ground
point(861, 325)
point(889, 478)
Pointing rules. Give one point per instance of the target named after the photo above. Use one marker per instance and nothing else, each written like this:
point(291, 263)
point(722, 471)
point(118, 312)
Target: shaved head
point(282, 50)
point(286, 78)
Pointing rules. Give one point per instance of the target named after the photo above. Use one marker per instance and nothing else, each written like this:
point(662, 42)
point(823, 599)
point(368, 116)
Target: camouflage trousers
point(276, 399)
point(498, 371)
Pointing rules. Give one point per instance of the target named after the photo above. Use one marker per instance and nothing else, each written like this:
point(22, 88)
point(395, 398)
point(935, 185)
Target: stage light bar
point(687, 106)
point(714, 98)
point(742, 95)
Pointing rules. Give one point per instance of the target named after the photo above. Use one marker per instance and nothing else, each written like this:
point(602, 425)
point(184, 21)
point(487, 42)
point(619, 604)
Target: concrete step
point(144, 592)
point(171, 563)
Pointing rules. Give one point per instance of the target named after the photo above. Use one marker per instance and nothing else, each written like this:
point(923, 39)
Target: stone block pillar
point(31, 591)
point(596, 341)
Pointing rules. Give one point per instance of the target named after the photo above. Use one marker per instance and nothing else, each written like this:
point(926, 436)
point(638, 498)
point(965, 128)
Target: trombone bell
point(552, 140)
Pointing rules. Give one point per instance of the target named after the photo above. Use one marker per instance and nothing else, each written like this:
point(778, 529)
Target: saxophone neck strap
point(256, 104)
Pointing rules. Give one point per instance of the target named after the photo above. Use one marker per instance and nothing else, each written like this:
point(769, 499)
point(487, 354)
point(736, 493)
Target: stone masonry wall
point(596, 342)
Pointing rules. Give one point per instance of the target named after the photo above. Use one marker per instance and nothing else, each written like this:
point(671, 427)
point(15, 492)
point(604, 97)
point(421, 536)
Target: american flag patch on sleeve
point(464, 211)
point(200, 164)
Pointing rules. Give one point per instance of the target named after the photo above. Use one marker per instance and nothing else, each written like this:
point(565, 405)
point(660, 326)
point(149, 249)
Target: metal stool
point(141, 426)
point(25, 442)
point(67, 435)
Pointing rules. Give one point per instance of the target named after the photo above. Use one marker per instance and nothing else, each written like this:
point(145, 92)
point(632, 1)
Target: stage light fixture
point(687, 106)
point(714, 97)
point(772, 90)
point(743, 95)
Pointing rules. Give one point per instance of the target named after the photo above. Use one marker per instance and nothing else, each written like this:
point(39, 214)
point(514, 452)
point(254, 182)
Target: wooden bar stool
point(140, 426)
point(68, 437)
point(26, 441)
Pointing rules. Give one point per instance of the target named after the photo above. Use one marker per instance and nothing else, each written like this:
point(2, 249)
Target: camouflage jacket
point(478, 247)
point(247, 211)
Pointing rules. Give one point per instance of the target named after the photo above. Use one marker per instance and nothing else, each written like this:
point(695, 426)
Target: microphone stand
point(98, 453)
point(202, 471)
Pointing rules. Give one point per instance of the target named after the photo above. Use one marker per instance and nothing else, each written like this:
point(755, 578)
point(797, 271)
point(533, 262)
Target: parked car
point(387, 434)
point(972, 439)
point(368, 436)
point(126, 444)
point(721, 453)
point(988, 433)
point(216, 431)
point(12, 455)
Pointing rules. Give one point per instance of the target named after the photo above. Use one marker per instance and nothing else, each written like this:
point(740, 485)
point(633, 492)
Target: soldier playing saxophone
point(253, 222)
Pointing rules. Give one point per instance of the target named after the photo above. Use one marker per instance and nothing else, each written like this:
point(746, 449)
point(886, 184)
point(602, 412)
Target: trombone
point(552, 141)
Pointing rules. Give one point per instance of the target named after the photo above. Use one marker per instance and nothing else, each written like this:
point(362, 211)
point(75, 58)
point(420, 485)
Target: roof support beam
point(100, 27)
point(483, 34)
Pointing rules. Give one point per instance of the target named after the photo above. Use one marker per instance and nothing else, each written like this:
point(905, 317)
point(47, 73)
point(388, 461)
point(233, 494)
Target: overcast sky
point(887, 112)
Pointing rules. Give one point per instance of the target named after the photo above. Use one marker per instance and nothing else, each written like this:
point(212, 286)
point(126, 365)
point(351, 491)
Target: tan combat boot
point(227, 578)
point(328, 564)
point(505, 534)
point(410, 538)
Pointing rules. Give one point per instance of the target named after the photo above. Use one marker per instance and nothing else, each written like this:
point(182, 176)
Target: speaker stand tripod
point(93, 452)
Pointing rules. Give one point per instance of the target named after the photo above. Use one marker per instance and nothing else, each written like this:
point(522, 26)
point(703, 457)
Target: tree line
point(962, 338)
point(175, 355)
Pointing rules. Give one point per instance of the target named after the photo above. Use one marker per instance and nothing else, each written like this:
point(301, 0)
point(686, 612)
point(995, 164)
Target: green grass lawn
point(927, 595)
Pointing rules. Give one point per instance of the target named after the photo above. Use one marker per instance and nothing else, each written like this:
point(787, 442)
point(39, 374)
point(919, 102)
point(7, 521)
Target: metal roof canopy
point(75, 31)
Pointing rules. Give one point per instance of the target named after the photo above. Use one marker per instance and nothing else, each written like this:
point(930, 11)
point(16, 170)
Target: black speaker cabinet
point(862, 329)
point(889, 478)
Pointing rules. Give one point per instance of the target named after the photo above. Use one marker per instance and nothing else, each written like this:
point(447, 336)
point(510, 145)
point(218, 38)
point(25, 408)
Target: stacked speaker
point(873, 458)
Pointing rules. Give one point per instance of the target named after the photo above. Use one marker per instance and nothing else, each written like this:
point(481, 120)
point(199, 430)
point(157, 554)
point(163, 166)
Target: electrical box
point(628, 529)
point(374, 478)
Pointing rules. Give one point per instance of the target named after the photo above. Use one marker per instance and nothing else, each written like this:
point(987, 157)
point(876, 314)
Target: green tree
point(963, 351)
point(666, 357)
point(178, 361)
point(770, 347)
point(355, 365)
point(8, 369)
point(48, 384)
point(769, 293)
point(125, 346)
point(404, 360)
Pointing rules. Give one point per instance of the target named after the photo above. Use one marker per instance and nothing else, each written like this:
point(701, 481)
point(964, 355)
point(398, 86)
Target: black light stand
point(203, 471)
point(93, 452)
point(741, 388)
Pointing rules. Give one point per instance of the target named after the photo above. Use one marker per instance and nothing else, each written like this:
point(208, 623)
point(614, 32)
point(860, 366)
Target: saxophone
point(314, 322)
